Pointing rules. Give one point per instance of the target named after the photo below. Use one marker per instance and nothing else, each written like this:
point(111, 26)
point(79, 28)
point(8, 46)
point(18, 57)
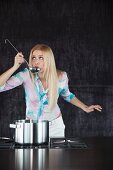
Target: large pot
point(31, 132)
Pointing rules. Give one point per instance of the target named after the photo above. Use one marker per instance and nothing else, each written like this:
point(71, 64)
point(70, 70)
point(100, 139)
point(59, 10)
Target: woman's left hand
point(92, 108)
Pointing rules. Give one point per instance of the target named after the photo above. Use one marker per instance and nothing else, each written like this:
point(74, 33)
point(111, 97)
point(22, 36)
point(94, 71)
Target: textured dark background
point(81, 36)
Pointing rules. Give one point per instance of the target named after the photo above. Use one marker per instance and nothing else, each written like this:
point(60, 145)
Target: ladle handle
point(6, 40)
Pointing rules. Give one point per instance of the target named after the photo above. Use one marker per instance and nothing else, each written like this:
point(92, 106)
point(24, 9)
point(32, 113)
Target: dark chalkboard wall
point(80, 34)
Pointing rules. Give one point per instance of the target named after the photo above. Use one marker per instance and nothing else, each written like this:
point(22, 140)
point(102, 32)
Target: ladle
point(32, 69)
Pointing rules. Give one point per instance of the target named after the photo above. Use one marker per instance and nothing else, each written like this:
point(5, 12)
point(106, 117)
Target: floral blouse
point(35, 95)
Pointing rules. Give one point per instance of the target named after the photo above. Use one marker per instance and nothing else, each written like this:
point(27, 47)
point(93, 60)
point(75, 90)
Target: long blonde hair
point(50, 73)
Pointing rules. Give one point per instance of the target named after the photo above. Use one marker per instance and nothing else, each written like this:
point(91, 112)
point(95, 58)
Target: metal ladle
point(32, 69)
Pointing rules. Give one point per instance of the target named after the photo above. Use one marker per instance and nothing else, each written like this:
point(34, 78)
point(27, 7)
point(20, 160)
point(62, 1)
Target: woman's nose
point(36, 62)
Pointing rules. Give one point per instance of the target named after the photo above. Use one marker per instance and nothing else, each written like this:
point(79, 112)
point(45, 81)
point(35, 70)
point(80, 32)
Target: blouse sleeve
point(64, 89)
point(14, 81)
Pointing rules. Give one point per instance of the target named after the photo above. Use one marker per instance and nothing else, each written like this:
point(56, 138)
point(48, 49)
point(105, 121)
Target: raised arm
point(19, 59)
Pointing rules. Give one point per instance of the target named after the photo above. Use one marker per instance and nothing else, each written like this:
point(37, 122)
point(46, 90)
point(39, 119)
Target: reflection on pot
point(29, 159)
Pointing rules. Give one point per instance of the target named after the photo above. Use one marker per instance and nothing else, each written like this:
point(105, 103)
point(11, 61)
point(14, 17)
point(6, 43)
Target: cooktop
point(73, 143)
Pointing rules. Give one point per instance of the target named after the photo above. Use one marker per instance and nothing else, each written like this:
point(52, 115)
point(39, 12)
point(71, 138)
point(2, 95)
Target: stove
point(56, 143)
point(73, 143)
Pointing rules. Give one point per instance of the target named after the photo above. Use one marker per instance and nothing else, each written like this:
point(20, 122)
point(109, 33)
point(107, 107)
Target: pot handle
point(14, 126)
point(50, 123)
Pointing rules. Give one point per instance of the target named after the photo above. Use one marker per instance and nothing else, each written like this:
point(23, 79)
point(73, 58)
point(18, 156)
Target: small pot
point(31, 132)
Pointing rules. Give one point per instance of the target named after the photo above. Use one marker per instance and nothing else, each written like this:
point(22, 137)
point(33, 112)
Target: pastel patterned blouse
point(35, 95)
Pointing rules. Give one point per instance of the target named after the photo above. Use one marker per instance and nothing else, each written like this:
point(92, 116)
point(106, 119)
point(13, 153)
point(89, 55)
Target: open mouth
point(34, 69)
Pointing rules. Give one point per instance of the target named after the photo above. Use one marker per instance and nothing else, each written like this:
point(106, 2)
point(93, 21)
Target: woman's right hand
point(19, 59)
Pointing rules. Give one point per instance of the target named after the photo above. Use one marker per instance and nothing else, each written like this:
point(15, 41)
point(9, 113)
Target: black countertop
point(97, 156)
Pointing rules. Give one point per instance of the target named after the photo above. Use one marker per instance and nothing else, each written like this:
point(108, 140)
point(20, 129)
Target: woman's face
point(38, 60)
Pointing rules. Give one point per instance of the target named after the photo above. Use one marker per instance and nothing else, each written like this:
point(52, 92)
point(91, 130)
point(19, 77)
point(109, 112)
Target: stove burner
point(5, 143)
point(27, 146)
point(67, 143)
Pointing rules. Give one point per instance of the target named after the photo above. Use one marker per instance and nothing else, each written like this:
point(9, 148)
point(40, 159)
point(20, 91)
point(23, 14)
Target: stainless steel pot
point(31, 132)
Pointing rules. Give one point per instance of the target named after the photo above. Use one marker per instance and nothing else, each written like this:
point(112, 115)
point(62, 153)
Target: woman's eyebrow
point(37, 55)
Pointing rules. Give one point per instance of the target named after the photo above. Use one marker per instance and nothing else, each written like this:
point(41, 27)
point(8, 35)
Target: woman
point(42, 89)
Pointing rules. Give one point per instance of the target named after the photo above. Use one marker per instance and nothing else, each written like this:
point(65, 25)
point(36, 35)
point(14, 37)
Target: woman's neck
point(41, 76)
point(44, 83)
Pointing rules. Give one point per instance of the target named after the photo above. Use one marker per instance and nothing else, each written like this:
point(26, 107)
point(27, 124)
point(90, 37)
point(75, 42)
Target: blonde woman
point(42, 89)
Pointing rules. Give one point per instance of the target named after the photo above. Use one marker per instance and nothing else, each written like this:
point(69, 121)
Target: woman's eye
point(33, 58)
point(41, 58)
